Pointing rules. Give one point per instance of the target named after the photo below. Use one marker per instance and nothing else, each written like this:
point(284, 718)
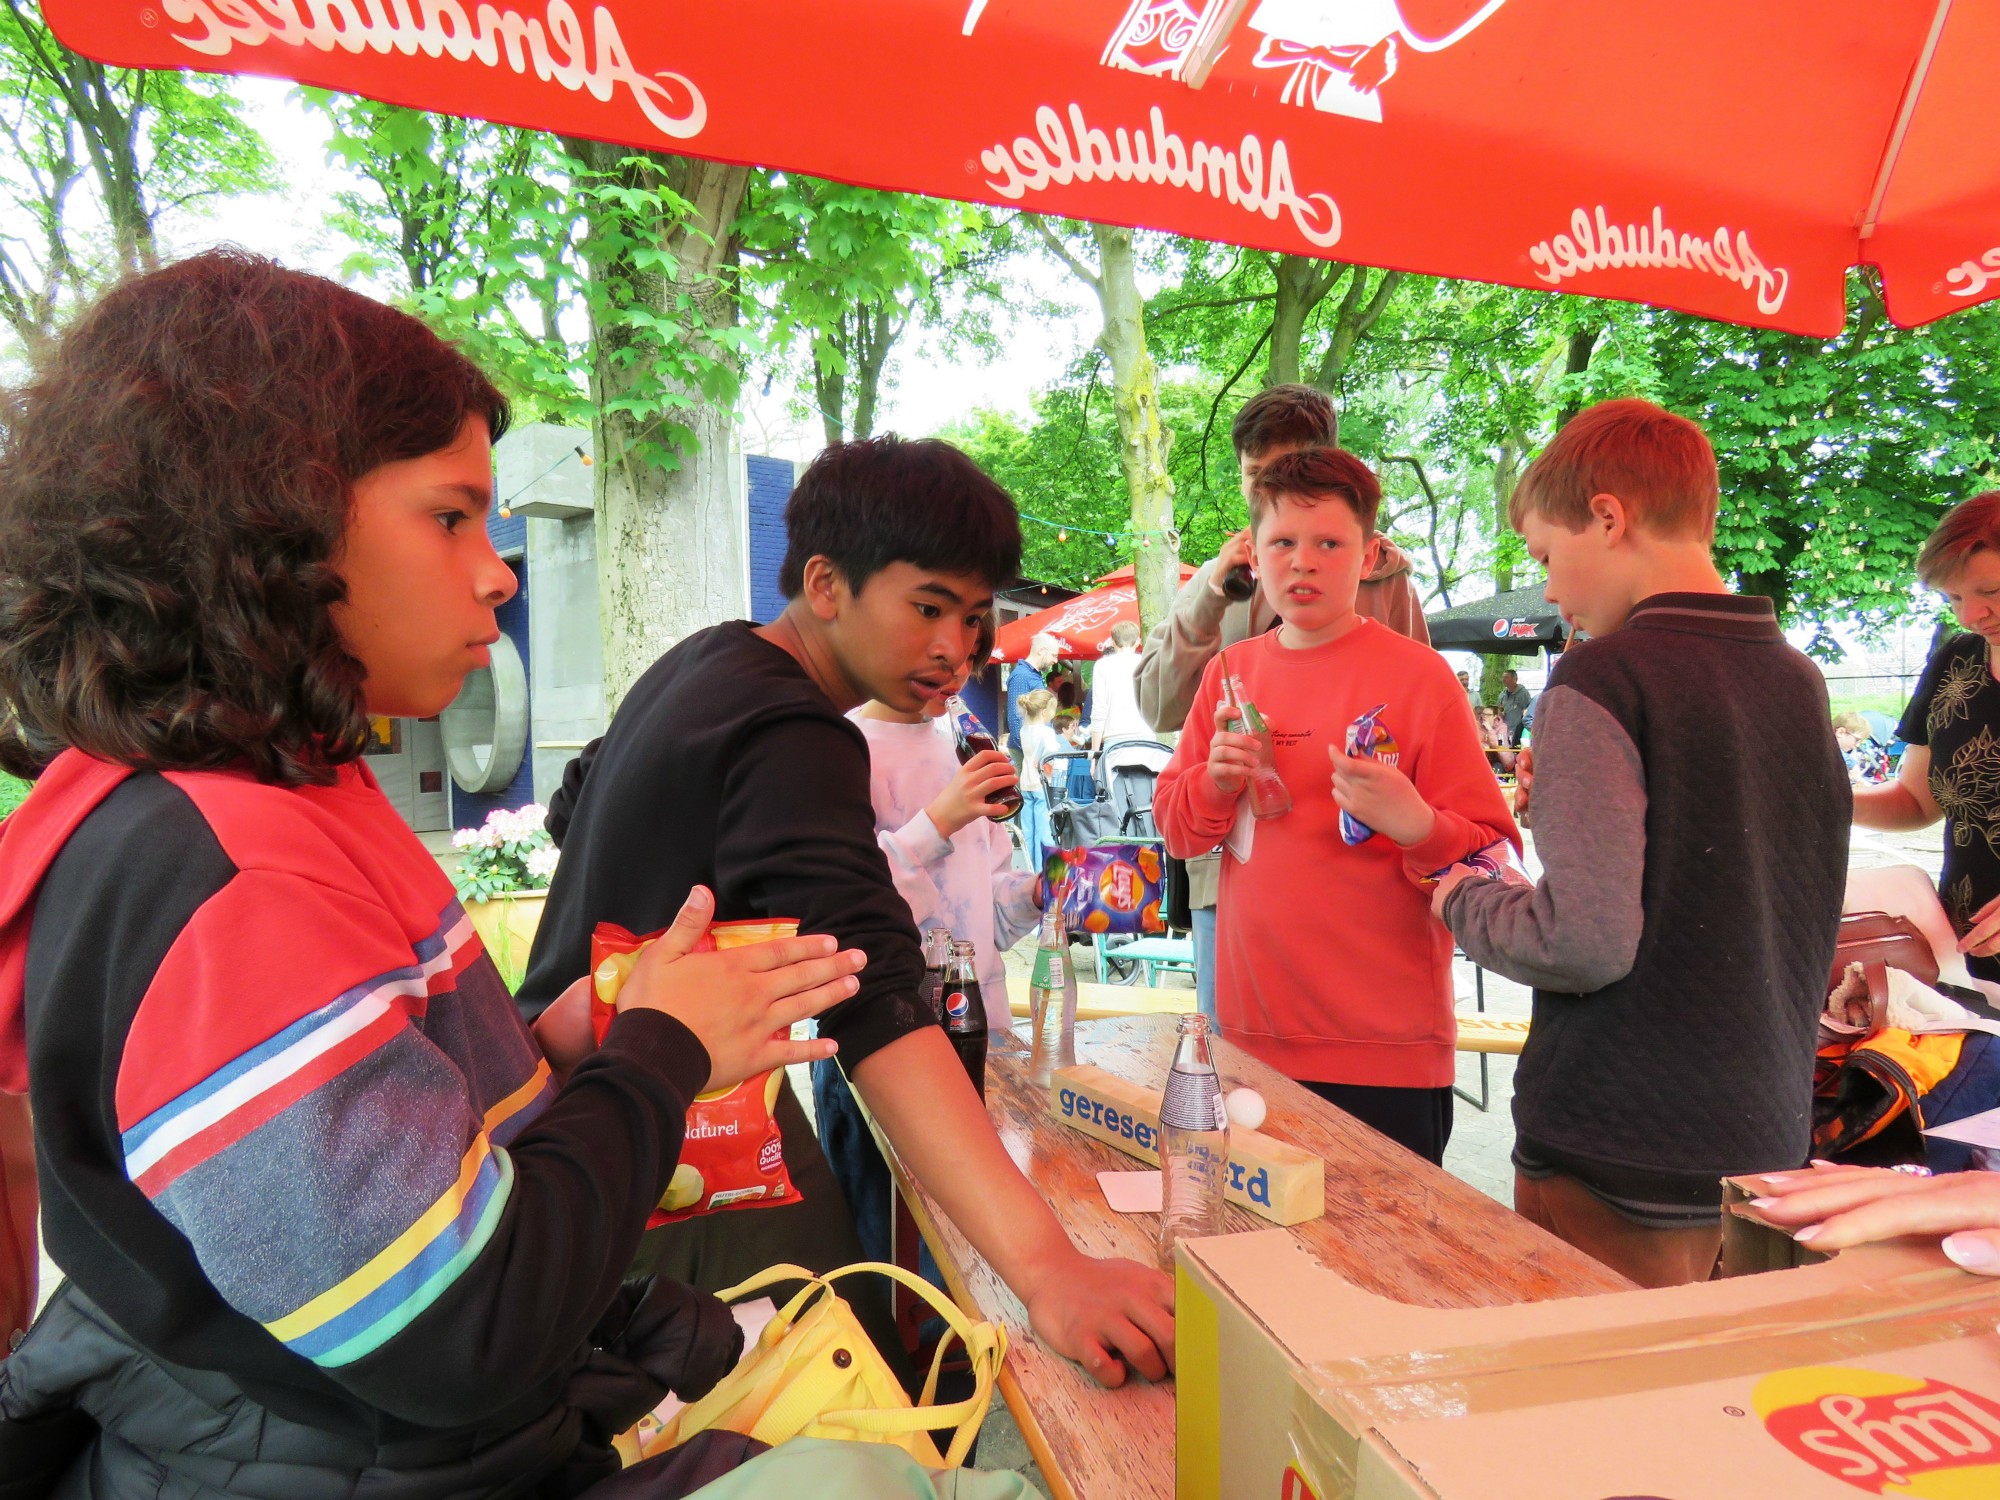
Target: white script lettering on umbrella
point(1076, 151)
point(1971, 277)
point(1599, 245)
point(561, 49)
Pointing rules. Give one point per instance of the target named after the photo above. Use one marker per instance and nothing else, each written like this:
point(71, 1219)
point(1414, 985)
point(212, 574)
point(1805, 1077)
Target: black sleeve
point(795, 837)
point(1915, 725)
point(129, 887)
point(562, 805)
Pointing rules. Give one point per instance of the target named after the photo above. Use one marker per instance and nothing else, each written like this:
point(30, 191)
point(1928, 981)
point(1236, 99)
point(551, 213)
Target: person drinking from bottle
point(1329, 964)
point(941, 826)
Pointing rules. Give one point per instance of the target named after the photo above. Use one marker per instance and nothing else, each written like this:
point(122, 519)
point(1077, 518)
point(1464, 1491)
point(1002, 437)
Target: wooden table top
point(1394, 1225)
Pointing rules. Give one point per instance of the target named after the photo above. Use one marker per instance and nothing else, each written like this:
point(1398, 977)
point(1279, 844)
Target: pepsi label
point(957, 1006)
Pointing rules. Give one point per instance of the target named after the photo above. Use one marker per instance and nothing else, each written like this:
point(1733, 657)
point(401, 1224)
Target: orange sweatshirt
point(1329, 965)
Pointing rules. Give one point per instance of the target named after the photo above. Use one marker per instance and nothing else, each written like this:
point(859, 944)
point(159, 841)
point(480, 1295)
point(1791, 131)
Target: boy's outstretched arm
point(1107, 1315)
point(1577, 930)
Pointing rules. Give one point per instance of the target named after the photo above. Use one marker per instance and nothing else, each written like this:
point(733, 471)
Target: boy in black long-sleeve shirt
point(731, 764)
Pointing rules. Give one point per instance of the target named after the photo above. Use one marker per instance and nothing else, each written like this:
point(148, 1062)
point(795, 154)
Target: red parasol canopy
point(1726, 158)
point(1082, 624)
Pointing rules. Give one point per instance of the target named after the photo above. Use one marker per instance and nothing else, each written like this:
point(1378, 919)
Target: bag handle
point(985, 1344)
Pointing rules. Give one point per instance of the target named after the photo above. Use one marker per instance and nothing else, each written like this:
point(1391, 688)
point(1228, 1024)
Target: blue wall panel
point(768, 486)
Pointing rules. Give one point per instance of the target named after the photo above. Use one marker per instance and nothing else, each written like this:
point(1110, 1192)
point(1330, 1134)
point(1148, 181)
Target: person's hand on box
point(1232, 756)
point(741, 1002)
point(1381, 796)
point(973, 793)
point(1110, 1316)
point(1831, 1208)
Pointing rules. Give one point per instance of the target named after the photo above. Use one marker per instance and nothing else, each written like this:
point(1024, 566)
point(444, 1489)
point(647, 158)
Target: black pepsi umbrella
point(1517, 623)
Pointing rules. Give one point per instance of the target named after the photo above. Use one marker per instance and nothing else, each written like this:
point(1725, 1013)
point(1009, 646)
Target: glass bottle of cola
point(969, 737)
point(1269, 797)
point(965, 1012)
point(930, 989)
point(1194, 1143)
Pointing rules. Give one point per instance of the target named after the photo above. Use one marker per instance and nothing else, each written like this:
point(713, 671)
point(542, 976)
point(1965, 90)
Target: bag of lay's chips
point(732, 1154)
point(1110, 887)
point(1367, 736)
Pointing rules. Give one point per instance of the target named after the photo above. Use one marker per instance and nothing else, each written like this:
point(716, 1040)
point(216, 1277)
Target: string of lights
point(1145, 538)
point(507, 505)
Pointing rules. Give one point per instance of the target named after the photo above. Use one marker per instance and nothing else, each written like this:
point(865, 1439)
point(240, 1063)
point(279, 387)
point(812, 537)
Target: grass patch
point(13, 792)
point(1891, 704)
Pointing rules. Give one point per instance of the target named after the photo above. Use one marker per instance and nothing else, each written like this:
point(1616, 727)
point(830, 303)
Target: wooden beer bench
point(1104, 1002)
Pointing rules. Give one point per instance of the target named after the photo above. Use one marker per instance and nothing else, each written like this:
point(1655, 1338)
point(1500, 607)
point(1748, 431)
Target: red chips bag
point(732, 1155)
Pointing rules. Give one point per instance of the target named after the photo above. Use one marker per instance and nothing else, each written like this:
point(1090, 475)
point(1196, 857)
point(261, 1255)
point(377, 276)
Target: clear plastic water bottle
point(1269, 796)
point(1194, 1143)
point(1052, 999)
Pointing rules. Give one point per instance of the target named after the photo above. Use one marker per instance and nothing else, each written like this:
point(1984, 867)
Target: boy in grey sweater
point(1691, 817)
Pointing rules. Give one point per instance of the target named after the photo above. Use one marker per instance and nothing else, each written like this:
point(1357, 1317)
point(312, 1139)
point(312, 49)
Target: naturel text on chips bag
point(732, 1155)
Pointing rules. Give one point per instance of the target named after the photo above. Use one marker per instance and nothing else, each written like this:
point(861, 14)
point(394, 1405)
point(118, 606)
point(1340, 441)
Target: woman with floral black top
point(1952, 727)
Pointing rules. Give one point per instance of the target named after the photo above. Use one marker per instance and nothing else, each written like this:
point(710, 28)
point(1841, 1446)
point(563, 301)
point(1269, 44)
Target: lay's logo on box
point(1886, 1434)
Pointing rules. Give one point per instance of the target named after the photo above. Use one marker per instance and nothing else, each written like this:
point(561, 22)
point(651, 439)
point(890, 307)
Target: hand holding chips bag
point(732, 1154)
point(1110, 887)
point(1367, 736)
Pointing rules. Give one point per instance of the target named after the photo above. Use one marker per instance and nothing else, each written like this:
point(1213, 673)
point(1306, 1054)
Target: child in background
point(1038, 742)
point(954, 865)
point(1867, 762)
point(1691, 816)
point(1329, 965)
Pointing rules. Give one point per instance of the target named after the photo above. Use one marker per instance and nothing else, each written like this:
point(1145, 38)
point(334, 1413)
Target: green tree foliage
point(1838, 457)
point(92, 160)
point(840, 274)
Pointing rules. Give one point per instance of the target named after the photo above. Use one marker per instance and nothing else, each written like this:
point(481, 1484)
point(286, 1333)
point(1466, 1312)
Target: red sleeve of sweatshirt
point(1191, 812)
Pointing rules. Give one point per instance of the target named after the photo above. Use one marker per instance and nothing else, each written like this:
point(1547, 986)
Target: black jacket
point(85, 1414)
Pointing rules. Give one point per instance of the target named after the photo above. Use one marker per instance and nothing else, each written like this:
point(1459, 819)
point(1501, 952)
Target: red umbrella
point(1727, 158)
point(1082, 624)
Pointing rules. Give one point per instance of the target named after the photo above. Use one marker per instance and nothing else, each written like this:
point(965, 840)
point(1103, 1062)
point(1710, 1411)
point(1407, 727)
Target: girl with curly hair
point(331, 1218)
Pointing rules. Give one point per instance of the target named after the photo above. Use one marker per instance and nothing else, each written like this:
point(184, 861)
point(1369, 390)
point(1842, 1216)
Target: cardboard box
point(1876, 1371)
point(1270, 1177)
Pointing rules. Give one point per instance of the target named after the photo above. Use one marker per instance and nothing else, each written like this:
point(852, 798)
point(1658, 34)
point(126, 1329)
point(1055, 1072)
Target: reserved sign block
point(1267, 1176)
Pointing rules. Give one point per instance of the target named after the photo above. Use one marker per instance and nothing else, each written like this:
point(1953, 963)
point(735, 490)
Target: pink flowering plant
point(509, 852)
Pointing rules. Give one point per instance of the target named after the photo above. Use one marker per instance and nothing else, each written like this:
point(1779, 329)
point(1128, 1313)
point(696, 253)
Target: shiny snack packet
point(1497, 861)
point(1367, 736)
point(732, 1154)
point(1110, 887)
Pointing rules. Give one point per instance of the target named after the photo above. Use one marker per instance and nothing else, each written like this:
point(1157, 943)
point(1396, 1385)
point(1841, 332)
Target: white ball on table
point(1246, 1108)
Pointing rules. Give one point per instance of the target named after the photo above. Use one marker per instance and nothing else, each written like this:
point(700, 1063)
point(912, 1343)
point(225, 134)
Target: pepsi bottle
point(969, 738)
point(965, 1013)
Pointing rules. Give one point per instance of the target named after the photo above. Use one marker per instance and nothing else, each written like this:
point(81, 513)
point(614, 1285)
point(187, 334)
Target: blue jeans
point(1203, 936)
point(1037, 836)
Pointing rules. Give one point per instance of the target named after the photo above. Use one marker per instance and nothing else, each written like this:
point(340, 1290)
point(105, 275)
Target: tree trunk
point(1360, 310)
point(1302, 284)
point(1142, 442)
point(669, 537)
point(1582, 344)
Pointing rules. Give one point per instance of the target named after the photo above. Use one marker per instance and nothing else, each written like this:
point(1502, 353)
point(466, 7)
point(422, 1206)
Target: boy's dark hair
point(866, 504)
point(1294, 416)
point(175, 481)
point(1314, 474)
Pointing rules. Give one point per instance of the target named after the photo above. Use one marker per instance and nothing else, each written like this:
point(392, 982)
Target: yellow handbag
point(814, 1373)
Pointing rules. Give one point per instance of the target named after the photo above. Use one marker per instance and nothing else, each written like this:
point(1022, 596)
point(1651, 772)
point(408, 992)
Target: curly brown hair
point(175, 480)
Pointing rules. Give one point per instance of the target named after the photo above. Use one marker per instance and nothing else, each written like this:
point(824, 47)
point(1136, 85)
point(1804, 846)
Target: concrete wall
point(564, 645)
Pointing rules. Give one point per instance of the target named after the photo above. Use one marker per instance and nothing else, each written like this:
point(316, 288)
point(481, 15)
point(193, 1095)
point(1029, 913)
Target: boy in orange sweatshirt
point(1329, 964)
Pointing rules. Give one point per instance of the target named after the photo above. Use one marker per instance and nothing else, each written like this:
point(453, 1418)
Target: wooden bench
point(1103, 1002)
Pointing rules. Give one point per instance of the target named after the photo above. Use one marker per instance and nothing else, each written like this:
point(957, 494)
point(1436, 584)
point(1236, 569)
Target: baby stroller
point(1109, 803)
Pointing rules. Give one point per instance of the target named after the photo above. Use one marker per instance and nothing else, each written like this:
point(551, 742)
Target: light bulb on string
point(1062, 536)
